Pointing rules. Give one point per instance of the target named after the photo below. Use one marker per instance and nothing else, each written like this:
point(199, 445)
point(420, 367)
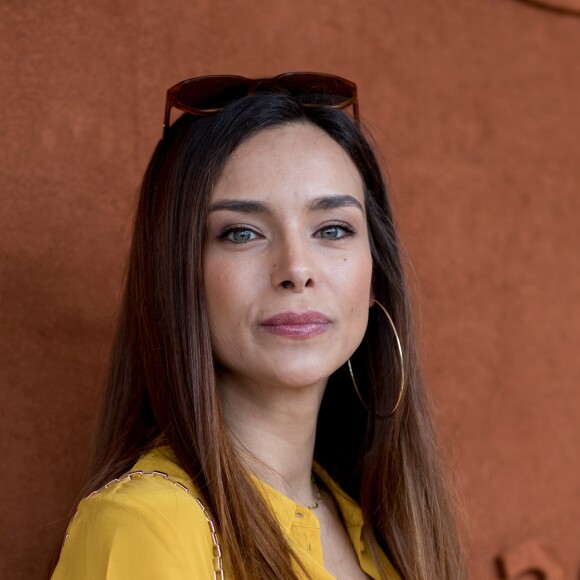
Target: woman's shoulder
point(150, 522)
point(156, 484)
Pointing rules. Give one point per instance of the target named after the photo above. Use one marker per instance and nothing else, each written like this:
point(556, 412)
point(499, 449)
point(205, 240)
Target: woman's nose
point(293, 267)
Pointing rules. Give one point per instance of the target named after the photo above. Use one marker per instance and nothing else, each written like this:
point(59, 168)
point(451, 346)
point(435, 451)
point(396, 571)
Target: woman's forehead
point(288, 159)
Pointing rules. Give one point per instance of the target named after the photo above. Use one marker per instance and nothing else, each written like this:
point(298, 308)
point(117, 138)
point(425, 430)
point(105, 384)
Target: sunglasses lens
point(317, 89)
point(208, 93)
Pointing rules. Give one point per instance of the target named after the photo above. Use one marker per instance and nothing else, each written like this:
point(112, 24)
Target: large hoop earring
point(400, 351)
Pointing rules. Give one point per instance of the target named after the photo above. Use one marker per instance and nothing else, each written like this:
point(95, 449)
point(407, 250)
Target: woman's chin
point(282, 377)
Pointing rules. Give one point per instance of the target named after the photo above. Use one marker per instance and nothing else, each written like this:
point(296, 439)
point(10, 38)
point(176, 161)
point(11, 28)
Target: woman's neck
point(274, 430)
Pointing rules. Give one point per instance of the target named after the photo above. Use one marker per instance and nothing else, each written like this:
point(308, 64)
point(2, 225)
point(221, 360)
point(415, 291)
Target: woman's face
point(287, 262)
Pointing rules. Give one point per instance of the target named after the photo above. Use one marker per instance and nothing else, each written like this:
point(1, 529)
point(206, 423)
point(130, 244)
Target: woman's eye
point(239, 235)
point(335, 232)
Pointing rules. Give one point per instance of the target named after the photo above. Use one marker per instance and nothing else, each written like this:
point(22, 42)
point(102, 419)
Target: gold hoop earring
point(400, 351)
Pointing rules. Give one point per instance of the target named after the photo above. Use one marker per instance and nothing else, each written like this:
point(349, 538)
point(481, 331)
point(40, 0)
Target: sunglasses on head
point(210, 94)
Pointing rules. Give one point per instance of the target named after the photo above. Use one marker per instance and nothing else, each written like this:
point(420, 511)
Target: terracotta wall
point(476, 108)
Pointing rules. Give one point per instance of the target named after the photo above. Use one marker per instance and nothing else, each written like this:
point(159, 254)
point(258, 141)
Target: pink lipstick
point(296, 325)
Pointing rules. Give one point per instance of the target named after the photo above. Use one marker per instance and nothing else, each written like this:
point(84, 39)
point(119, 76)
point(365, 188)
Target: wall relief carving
point(530, 561)
point(564, 5)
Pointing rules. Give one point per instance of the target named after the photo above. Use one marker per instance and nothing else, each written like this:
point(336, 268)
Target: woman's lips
point(296, 325)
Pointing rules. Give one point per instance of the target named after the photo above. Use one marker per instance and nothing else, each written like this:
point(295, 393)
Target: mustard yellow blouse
point(152, 526)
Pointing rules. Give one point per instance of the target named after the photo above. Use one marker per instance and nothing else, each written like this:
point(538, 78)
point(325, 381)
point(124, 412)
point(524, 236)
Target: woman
point(264, 382)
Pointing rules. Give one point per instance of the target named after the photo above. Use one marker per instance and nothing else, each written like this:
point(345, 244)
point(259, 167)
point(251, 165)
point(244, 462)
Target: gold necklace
point(318, 499)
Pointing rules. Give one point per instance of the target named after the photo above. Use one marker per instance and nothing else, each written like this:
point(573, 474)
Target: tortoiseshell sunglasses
point(209, 94)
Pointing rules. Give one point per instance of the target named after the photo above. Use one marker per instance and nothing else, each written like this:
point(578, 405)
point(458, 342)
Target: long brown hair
point(162, 381)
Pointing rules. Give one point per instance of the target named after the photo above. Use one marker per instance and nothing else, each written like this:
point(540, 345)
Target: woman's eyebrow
point(333, 202)
point(324, 202)
point(241, 205)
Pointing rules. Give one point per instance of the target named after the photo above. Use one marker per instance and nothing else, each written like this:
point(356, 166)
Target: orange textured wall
point(476, 108)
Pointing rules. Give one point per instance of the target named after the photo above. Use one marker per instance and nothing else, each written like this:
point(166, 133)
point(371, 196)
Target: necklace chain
point(318, 499)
